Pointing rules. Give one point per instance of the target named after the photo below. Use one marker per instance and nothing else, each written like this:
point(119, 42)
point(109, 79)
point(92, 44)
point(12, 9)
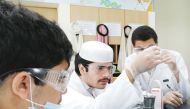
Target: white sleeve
point(121, 94)
point(182, 67)
point(184, 87)
point(184, 82)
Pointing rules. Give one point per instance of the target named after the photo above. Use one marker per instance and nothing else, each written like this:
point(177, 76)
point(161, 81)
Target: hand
point(144, 61)
point(169, 59)
point(173, 98)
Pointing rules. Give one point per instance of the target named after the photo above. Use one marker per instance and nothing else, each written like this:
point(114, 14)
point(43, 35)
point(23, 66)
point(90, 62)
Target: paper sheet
point(114, 29)
point(87, 27)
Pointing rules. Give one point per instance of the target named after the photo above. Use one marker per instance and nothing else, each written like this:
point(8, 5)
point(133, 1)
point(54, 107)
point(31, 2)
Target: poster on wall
point(141, 5)
point(118, 4)
point(46, 1)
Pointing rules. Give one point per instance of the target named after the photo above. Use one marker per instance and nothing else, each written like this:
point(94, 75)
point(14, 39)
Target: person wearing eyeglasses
point(93, 69)
point(90, 84)
point(172, 72)
point(34, 57)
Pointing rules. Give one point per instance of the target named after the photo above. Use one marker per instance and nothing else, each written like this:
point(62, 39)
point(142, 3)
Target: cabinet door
point(139, 17)
point(84, 13)
point(49, 13)
point(48, 10)
point(108, 15)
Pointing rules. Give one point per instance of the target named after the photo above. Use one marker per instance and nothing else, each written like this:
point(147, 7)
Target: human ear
point(82, 69)
point(21, 85)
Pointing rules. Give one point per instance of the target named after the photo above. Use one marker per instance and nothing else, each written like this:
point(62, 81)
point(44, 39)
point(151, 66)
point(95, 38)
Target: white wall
point(173, 25)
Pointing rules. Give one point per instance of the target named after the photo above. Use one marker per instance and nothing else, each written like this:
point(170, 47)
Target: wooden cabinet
point(95, 14)
point(105, 15)
point(48, 10)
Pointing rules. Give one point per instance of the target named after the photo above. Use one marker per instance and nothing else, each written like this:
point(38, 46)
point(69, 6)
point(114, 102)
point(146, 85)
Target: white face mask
point(48, 105)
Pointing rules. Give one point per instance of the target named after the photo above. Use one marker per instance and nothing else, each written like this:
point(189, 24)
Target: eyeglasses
point(139, 49)
point(101, 68)
point(58, 80)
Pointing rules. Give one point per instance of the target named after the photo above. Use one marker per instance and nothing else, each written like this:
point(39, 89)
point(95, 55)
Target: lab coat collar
point(78, 85)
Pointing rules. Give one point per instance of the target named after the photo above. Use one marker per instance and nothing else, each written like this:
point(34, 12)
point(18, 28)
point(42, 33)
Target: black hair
point(79, 60)
point(28, 40)
point(144, 33)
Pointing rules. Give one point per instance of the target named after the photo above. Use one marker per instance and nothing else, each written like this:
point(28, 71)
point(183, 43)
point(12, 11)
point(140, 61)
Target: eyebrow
point(146, 46)
point(104, 65)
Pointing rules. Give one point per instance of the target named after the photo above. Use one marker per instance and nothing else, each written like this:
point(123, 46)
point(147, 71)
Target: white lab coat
point(121, 94)
point(145, 81)
point(78, 85)
point(122, 52)
point(76, 40)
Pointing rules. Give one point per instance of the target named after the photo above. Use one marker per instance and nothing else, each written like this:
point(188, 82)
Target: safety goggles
point(57, 80)
point(101, 68)
point(139, 49)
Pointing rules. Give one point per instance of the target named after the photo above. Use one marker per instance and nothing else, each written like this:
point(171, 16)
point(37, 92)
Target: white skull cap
point(96, 51)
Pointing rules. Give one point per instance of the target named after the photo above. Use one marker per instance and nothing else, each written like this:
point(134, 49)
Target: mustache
point(105, 79)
